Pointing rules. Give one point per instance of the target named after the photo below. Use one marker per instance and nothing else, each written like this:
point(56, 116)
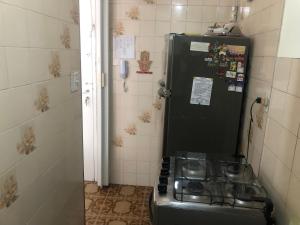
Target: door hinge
point(102, 80)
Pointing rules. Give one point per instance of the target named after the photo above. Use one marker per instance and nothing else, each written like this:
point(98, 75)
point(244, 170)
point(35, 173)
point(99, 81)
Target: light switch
point(75, 81)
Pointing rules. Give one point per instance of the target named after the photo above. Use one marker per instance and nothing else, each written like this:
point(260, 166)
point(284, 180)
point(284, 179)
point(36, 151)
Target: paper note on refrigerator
point(123, 48)
point(201, 91)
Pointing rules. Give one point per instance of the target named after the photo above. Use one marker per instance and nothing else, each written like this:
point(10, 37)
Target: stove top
point(215, 179)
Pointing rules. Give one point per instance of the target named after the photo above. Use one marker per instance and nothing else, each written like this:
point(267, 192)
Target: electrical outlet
point(266, 103)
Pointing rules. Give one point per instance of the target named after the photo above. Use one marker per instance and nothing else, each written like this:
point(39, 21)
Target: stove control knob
point(166, 159)
point(162, 188)
point(163, 180)
point(164, 172)
point(165, 165)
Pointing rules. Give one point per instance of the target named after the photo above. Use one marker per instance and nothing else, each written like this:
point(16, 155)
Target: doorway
point(95, 89)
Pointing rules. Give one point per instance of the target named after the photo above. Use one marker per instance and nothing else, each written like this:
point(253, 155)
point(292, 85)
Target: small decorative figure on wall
point(145, 63)
point(118, 141)
point(157, 104)
point(28, 141)
point(131, 129)
point(145, 117)
point(66, 38)
point(119, 29)
point(54, 67)
point(134, 13)
point(8, 190)
point(75, 13)
point(42, 101)
point(150, 1)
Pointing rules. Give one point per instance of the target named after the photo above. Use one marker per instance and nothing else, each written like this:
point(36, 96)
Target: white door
point(94, 34)
point(87, 33)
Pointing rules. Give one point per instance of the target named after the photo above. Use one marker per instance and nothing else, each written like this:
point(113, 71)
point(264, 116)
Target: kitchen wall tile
point(162, 28)
point(293, 200)
point(179, 12)
point(148, 12)
point(285, 109)
point(282, 73)
point(3, 70)
point(294, 81)
point(224, 14)
point(179, 2)
point(16, 30)
point(130, 178)
point(147, 28)
point(209, 14)
point(281, 142)
point(18, 75)
point(265, 44)
point(178, 27)
point(163, 13)
point(296, 162)
point(143, 180)
point(194, 13)
point(274, 173)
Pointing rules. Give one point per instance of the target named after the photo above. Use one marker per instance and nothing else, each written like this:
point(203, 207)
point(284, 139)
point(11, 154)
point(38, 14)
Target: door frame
point(103, 93)
point(100, 63)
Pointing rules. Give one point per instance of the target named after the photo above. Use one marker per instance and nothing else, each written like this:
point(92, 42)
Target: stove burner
point(195, 187)
point(194, 169)
point(233, 169)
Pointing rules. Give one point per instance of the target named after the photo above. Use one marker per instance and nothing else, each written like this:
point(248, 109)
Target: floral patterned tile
point(117, 205)
point(117, 221)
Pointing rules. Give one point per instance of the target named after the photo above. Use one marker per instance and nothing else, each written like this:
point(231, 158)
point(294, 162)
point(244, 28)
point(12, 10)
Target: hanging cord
point(258, 100)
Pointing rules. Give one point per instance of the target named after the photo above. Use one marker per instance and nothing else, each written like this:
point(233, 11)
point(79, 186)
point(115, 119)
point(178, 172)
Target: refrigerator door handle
point(164, 93)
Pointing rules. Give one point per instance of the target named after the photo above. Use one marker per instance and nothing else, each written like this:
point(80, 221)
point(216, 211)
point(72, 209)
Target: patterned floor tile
point(117, 205)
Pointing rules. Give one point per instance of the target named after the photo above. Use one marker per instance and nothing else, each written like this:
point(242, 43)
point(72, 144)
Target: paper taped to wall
point(201, 91)
point(123, 48)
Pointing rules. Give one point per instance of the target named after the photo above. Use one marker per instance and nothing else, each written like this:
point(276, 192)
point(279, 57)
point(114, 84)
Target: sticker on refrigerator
point(231, 87)
point(231, 74)
point(201, 91)
point(239, 87)
point(199, 46)
point(233, 66)
point(240, 67)
point(240, 77)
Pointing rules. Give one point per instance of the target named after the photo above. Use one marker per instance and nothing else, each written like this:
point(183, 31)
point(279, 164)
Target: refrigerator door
point(203, 112)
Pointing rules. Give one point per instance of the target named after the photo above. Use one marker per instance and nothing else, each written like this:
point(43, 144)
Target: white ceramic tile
point(293, 198)
point(3, 70)
point(294, 81)
point(194, 13)
point(296, 162)
point(147, 12)
point(179, 2)
point(285, 109)
point(163, 12)
point(162, 28)
point(179, 12)
point(130, 178)
point(282, 73)
point(16, 30)
point(281, 142)
point(143, 179)
point(18, 75)
point(147, 28)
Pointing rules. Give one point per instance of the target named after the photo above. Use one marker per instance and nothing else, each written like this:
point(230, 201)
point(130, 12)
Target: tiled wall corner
point(275, 146)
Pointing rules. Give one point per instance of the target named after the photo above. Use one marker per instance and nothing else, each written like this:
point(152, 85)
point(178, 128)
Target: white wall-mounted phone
point(124, 73)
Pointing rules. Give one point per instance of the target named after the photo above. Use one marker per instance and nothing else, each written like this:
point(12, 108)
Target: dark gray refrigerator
point(205, 88)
